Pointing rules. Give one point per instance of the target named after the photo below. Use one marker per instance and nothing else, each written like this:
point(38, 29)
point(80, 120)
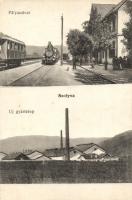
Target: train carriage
point(12, 51)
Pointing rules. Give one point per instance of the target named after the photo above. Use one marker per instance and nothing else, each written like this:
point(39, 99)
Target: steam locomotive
point(51, 55)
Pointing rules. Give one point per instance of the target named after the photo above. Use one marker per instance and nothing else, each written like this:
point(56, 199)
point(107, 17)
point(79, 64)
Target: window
point(112, 50)
point(22, 48)
point(8, 45)
point(111, 27)
point(16, 46)
point(19, 47)
point(13, 45)
point(113, 44)
point(113, 24)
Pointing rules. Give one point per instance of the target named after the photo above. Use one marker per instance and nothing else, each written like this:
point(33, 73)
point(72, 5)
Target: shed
point(16, 156)
point(37, 155)
point(2, 155)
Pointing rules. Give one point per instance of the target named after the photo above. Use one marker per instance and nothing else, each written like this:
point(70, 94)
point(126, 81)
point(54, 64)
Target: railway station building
point(117, 17)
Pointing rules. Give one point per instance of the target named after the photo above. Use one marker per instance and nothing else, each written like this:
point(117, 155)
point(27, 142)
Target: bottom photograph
point(89, 147)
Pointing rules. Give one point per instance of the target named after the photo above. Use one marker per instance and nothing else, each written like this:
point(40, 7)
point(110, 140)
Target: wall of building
point(122, 51)
point(42, 158)
point(57, 158)
point(123, 18)
point(109, 60)
point(75, 157)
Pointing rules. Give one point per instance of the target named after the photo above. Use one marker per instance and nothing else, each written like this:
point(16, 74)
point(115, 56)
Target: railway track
point(35, 76)
point(36, 79)
point(94, 78)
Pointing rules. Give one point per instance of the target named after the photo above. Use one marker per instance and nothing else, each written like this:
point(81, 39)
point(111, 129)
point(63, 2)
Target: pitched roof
point(7, 37)
point(102, 9)
point(2, 155)
point(116, 7)
point(83, 147)
point(56, 152)
point(13, 156)
point(35, 155)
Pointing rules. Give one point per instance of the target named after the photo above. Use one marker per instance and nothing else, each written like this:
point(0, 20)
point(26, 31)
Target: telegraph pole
point(67, 133)
point(61, 40)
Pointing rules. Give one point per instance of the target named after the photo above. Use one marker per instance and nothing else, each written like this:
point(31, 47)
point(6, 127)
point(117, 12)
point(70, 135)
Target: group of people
point(120, 63)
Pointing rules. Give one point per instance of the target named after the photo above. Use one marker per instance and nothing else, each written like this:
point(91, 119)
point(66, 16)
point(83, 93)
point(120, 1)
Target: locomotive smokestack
point(67, 133)
point(61, 140)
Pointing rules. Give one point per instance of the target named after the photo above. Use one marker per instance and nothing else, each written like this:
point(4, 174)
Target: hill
point(39, 50)
point(20, 143)
point(120, 145)
point(34, 50)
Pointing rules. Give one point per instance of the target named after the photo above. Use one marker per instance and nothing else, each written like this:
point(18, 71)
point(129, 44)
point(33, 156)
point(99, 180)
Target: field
point(65, 172)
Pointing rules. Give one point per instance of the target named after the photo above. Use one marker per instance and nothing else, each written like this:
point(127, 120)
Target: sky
point(43, 24)
point(96, 111)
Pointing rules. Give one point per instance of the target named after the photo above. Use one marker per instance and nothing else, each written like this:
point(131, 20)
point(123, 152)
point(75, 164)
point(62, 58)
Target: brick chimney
point(67, 133)
point(61, 140)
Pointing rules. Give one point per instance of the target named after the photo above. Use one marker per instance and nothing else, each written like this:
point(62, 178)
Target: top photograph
point(65, 43)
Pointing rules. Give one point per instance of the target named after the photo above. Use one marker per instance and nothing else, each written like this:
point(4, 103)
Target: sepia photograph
point(87, 140)
point(65, 43)
point(72, 140)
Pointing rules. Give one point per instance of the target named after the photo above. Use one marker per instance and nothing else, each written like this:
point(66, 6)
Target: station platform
point(118, 76)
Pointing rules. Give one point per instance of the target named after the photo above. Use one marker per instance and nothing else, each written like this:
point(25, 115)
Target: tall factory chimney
point(67, 133)
point(61, 140)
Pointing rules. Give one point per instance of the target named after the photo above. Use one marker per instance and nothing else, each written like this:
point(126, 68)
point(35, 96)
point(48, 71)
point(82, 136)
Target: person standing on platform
point(114, 63)
point(120, 63)
point(93, 62)
point(74, 62)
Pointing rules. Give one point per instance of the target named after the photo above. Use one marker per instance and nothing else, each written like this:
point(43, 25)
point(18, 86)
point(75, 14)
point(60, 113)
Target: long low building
point(37, 155)
point(81, 152)
point(15, 156)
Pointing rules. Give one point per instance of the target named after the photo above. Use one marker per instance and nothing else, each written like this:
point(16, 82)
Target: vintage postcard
point(73, 140)
point(65, 42)
point(84, 138)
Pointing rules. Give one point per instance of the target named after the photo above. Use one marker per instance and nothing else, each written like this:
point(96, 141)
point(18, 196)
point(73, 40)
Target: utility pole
point(61, 140)
point(62, 40)
point(67, 133)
